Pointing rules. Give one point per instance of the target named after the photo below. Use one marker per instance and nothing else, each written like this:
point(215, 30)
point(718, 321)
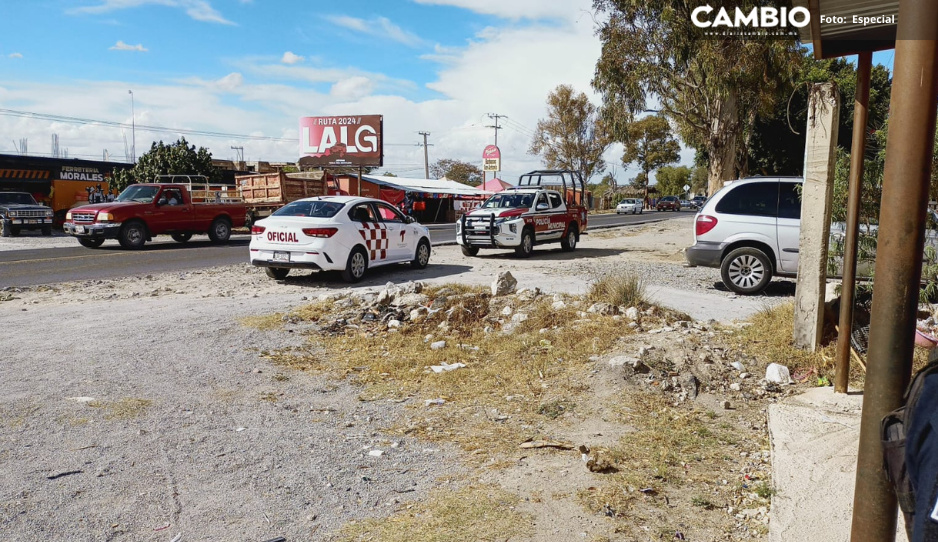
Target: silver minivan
point(749, 229)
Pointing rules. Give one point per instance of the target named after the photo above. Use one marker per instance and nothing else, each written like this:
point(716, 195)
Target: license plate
point(79, 229)
point(281, 256)
point(32, 221)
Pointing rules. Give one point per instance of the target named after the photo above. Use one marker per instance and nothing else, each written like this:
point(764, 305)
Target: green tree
point(178, 158)
point(650, 145)
point(776, 146)
point(456, 170)
point(698, 180)
point(714, 89)
point(671, 180)
point(572, 136)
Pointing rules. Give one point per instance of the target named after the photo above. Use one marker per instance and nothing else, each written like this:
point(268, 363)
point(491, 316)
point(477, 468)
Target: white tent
point(430, 186)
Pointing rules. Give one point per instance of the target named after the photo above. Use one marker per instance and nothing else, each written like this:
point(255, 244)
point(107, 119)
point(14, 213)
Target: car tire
point(746, 270)
point(181, 237)
point(133, 235)
point(278, 273)
point(220, 230)
point(421, 255)
point(4, 229)
point(356, 265)
point(568, 243)
point(526, 248)
point(469, 251)
point(15, 231)
point(47, 230)
point(91, 243)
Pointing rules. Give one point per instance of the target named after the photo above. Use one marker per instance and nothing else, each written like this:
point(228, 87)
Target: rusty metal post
point(898, 270)
point(860, 113)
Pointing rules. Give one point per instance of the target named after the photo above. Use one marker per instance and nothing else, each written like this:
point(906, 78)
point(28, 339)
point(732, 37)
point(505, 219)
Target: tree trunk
point(721, 145)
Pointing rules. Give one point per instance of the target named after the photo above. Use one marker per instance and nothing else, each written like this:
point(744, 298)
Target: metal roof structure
point(835, 32)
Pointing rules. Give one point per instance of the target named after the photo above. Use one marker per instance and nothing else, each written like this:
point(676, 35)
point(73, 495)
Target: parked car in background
point(749, 230)
point(668, 203)
point(686, 204)
point(629, 205)
point(699, 201)
point(19, 211)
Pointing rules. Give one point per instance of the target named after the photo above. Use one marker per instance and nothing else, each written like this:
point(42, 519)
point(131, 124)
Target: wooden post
point(818, 189)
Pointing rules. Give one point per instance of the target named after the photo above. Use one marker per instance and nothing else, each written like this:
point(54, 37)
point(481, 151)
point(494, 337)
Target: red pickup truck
point(144, 210)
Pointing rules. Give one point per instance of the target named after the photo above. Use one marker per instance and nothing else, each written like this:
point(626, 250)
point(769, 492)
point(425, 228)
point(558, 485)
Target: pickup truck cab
point(142, 211)
point(19, 211)
point(546, 207)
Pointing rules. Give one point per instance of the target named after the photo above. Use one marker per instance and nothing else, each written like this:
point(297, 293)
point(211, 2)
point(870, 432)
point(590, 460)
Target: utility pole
point(496, 116)
point(240, 151)
point(426, 156)
point(133, 126)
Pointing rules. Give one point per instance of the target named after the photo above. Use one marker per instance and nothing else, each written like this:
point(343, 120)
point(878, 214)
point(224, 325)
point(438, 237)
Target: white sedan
point(629, 206)
point(337, 233)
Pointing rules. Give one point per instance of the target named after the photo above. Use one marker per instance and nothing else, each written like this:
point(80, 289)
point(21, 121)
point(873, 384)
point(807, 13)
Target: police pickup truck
point(19, 211)
point(547, 206)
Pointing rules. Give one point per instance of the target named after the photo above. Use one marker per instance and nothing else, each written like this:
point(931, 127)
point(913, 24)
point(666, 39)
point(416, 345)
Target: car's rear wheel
point(356, 265)
point(568, 243)
point(181, 237)
point(746, 270)
point(133, 235)
point(90, 243)
point(526, 248)
point(422, 255)
point(220, 230)
point(278, 273)
point(469, 251)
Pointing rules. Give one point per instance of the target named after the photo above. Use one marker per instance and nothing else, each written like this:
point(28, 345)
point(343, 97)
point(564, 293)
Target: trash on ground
point(444, 367)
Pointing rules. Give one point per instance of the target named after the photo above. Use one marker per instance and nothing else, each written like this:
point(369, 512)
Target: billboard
point(342, 141)
point(491, 159)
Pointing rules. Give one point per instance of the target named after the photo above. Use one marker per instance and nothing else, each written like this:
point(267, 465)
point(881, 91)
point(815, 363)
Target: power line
point(496, 116)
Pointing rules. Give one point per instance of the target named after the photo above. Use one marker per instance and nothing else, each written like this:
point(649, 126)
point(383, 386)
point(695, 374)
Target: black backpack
point(893, 432)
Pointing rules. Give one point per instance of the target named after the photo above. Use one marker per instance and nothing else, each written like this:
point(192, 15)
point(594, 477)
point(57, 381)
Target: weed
point(270, 397)
point(554, 409)
point(765, 490)
point(702, 502)
point(267, 322)
point(122, 409)
point(621, 289)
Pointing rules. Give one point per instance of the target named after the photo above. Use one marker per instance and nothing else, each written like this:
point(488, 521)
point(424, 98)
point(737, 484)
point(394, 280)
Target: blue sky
point(253, 67)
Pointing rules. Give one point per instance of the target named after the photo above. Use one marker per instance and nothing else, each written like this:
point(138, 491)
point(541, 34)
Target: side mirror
point(161, 201)
point(542, 207)
point(409, 219)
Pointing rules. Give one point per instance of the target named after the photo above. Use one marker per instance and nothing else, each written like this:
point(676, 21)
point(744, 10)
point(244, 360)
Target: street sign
point(686, 188)
point(491, 159)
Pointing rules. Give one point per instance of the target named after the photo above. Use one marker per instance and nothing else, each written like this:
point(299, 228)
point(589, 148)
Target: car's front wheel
point(568, 243)
point(422, 255)
point(469, 250)
point(746, 270)
point(133, 235)
point(526, 248)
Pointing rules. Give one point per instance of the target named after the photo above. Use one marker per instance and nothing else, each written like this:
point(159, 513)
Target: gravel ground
point(141, 408)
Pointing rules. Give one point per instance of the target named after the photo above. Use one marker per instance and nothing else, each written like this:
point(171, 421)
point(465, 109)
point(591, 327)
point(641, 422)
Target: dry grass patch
point(677, 458)
point(267, 322)
point(626, 290)
point(498, 399)
point(122, 409)
point(471, 514)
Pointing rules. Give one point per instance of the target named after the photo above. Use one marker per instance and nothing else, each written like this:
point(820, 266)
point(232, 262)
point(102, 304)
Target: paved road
point(51, 265)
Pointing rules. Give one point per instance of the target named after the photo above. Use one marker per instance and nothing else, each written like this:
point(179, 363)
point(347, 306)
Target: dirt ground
point(549, 483)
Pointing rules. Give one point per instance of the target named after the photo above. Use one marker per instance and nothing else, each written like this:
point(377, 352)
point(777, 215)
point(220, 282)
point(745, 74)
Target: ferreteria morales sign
point(71, 173)
point(342, 140)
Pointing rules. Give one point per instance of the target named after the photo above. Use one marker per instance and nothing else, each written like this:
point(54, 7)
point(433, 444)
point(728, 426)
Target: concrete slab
point(815, 437)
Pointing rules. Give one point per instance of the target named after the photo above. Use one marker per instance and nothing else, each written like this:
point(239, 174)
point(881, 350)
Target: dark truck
point(19, 211)
point(142, 211)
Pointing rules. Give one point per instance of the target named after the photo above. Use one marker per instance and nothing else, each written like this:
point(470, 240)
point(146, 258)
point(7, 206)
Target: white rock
point(504, 284)
point(778, 374)
point(438, 345)
point(631, 313)
point(376, 453)
point(507, 311)
point(558, 305)
point(735, 386)
point(392, 324)
point(519, 317)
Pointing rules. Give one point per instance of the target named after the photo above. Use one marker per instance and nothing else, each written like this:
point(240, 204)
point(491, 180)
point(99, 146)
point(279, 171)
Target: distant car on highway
point(629, 205)
point(668, 203)
point(699, 201)
point(687, 204)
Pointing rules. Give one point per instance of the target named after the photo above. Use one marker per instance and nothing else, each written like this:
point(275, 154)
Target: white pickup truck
point(546, 207)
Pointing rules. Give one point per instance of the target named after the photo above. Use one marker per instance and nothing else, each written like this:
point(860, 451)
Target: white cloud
point(290, 58)
point(377, 27)
point(16, 55)
point(522, 9)
point(200, 10)
point(353, 88)
point(121, 46)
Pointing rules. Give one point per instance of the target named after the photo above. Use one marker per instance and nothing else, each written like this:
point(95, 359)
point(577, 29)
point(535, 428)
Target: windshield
point(315, 209)
point(506, 201)
point(139, 194)
point(17, 198)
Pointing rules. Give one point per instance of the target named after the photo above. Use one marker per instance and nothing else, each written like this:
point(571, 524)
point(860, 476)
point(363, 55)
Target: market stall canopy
point(839, 35)
point(429, 186)
point(494, 185)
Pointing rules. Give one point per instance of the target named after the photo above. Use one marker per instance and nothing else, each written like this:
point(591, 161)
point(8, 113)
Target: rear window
point(755, 199)
point(315, 209)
